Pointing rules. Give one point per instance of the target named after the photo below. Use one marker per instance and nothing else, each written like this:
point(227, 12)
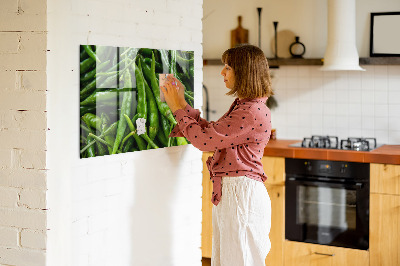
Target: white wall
point(23, 133)
point(141, 208)
point(311, 102)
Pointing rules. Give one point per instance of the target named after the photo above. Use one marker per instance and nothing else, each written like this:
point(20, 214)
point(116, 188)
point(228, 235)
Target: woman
point(242, 208)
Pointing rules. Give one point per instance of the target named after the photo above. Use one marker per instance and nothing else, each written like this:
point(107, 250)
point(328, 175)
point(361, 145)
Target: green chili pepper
point(92, 120)
point(161, 137)
point(141, 95)
point(83, 55)
point(101, 96)
point(165, 125)
point(165, 60)
point(152, 112)
point(91, 53)
point(110, 130)
point(140, 142)
point(125, 110)
point(91, 74)
point(91, 152)
point(181, 141)
point(163, 107)
point(159, 67)
point(86, 64)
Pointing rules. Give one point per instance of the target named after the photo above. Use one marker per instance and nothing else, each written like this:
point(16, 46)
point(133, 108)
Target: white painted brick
point(23, 218)
point(23, 139)
point(31, 55)
point(9, 42)
point(17, 256)
point(23, 178)
point(33, 199)
point(22, 100)
point(8, 237)
point(33, 7)
point(34, 120)
point(30, 80)
point(8, 197)
point(35, 159)
point(8, 6)
point(33, 239)
point(22, 22)
point(7, 81)
point(5, 158)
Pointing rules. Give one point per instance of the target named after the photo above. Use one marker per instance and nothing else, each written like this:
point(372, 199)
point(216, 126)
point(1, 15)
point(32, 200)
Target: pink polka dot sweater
point(238, 139)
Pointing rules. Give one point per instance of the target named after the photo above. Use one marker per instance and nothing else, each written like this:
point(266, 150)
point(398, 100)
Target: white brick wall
point(23, 132)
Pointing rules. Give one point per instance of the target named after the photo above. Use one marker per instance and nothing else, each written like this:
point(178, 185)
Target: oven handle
point(357, 185)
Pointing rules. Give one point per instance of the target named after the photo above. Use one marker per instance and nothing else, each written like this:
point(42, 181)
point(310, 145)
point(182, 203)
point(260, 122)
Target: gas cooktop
point(332, 142)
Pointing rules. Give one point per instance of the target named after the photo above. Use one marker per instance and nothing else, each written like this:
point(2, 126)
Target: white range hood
point(341, 51)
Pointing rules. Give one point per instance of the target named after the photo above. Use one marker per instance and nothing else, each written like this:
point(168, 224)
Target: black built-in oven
point(327, 202)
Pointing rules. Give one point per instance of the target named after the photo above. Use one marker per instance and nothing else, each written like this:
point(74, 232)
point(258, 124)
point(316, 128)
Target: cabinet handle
point(324, 254)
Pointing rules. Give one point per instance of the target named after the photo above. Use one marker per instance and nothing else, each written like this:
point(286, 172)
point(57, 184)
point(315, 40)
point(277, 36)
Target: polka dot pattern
point(238, 139)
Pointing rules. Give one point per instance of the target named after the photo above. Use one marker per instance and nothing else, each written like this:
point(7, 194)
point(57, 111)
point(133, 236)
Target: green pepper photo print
point(120, 105)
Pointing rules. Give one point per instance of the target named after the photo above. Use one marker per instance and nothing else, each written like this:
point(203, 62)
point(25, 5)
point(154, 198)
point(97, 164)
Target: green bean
point(125, 110)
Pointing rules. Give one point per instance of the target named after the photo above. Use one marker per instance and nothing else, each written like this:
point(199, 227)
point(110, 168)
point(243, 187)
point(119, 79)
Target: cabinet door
point(274, 168)
point(277, 233)
point(384, 230)
point(304, 254)
point(385, 178)
point(206, 232)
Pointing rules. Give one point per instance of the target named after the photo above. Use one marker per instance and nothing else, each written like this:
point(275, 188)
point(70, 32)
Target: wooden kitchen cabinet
point(305, 254)
point(277, 233)
point(384, 236)
point(206, 232)
point(385, 178)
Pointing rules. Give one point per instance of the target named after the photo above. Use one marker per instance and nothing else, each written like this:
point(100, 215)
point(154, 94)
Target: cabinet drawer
point(304, 254)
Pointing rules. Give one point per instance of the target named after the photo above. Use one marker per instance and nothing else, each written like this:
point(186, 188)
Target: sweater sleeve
point(229, 131)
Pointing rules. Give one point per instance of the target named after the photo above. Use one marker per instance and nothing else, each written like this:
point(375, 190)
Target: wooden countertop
point(389, 154)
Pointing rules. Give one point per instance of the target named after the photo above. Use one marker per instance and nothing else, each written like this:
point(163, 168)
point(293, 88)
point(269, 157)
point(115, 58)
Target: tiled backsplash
point(314, 102)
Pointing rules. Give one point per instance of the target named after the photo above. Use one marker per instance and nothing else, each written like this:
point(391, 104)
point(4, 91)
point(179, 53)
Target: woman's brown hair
point(250, 66)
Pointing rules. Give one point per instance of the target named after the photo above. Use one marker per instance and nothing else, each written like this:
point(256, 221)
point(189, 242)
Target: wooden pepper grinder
point(239, 35)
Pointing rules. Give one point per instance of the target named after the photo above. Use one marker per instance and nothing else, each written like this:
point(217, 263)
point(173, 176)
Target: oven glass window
point(326, 207)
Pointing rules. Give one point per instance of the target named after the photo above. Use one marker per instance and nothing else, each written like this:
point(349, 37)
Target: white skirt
point(241, 223)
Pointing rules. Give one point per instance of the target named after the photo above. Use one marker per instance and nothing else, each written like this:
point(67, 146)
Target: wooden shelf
point(380, 61)
point(274, 63)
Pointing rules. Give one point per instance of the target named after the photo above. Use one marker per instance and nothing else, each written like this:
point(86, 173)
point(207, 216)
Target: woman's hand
point(174, 93)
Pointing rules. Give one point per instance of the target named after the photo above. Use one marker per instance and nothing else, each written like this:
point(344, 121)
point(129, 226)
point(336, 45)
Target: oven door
point(327, 213)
